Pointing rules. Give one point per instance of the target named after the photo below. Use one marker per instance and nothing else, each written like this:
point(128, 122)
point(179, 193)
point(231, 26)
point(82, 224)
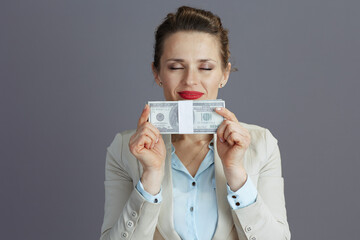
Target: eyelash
point(206, 69)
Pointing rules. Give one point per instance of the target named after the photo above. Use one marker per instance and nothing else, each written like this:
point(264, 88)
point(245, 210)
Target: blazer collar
point(225, 222)
point(166, 224)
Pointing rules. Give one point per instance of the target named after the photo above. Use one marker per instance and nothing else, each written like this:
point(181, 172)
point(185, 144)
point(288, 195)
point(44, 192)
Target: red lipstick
point(190, 95)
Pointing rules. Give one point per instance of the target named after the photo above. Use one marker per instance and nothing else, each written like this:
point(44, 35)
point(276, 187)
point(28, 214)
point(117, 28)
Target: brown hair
point(191, 19)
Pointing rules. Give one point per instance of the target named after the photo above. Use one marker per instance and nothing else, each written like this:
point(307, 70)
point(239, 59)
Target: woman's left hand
point(232, 142)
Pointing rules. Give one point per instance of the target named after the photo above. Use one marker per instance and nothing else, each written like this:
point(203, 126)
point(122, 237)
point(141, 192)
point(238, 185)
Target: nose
point(191, 76)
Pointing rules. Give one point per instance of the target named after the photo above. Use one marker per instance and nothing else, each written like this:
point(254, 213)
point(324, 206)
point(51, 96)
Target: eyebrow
point(182, 60)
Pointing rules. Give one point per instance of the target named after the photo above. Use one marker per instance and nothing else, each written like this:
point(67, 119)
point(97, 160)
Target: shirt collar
point(210, 145)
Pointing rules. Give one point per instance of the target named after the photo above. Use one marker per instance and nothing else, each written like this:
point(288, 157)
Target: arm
point(266, 218)
point(243, 197)
point(127, 213)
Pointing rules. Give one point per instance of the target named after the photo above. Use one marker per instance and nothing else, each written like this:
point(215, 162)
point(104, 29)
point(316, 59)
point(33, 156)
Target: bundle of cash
point(186, 117)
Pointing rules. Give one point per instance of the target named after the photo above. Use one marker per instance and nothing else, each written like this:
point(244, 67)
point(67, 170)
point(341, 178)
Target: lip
point(190, 95)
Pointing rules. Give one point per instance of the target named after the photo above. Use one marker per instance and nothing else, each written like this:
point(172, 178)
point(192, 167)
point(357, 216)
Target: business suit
point(129, 216)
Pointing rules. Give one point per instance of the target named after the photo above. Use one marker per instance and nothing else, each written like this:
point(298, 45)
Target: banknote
point(180, 117)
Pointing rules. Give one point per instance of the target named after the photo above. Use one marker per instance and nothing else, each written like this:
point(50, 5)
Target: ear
point(156, 74)
point(226, 75)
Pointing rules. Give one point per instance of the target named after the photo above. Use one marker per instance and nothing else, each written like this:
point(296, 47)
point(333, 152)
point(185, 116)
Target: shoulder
point(262, 148)
point(120, 143)
point(259, 135)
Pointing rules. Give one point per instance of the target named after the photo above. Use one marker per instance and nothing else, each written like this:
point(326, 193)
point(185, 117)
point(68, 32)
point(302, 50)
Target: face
point(191, 67)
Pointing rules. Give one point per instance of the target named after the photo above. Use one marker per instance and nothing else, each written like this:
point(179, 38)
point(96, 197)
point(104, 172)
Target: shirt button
point(133, 214)
point(124, 235)
point(237, 204)
point(233, 196)
point(194, 183)
point(130, 224)
point(191, 209)
point(248, 229)
point(252, 238)
point(211, 144)
point(156, 200)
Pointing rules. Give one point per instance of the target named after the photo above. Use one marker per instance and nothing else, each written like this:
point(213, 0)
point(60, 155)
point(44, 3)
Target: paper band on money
point(186, 117)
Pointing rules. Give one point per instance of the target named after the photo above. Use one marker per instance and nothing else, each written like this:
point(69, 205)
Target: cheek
point(170, 81)
point(167, 76)
point(212, 84)
point(169, 87)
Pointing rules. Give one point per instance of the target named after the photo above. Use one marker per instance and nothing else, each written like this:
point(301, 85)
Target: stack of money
point(186, 117)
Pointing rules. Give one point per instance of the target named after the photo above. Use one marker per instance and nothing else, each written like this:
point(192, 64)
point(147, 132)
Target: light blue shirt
point(194, 198)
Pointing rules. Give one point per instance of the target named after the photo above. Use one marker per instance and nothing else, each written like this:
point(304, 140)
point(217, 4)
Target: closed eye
point(207, 69)
point(173, 68)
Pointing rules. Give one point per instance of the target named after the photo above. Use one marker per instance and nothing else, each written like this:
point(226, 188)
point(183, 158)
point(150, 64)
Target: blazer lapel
point(225, 222)
point(165, 223)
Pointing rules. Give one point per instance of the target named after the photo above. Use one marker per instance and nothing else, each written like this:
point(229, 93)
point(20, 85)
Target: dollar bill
point(177, 117)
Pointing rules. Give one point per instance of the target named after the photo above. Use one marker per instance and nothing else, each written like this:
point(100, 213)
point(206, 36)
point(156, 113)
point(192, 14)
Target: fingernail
point(218, 108)
point(157, 140)
point(221, 140)
point(145, 106)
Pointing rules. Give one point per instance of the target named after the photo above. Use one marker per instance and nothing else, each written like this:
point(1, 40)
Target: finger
point(235, 127)
point(229, 139)
point(149, 133)
point(153, 129)
point(226, 113)
point(239, 140)
point(144, 115)
point(230, 128)
point(138, 142)
point(150, 130)
point(242, 134)
point(144, 141)
point(236, 139)
point(220, 131)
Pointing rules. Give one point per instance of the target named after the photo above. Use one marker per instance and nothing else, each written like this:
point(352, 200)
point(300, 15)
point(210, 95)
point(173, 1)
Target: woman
point(194, 186)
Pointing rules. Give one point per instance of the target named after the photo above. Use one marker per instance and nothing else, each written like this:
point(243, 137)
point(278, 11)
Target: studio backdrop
point(75, 73)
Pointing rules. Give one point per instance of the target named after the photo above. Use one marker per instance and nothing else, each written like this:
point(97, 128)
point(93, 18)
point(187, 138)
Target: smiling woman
point(192, 66)
point(194, 186)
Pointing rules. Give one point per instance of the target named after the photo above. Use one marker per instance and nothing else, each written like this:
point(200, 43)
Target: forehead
point(191, 45)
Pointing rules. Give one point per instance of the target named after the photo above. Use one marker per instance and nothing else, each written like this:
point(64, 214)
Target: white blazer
point(129, 216)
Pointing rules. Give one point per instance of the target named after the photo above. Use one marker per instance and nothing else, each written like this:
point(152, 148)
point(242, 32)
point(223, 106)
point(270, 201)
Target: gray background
point(74, 73)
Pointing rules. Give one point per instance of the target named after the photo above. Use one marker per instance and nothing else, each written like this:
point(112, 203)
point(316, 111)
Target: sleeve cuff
point(243, 197)
point(149, 197)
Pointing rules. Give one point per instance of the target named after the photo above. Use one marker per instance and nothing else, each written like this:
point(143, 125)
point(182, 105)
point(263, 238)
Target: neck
point(191, 138)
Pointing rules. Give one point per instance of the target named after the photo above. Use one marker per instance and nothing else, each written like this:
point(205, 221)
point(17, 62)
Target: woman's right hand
point(147, 145)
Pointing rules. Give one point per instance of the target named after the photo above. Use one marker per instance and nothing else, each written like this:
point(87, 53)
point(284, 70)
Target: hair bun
point(191, 19)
